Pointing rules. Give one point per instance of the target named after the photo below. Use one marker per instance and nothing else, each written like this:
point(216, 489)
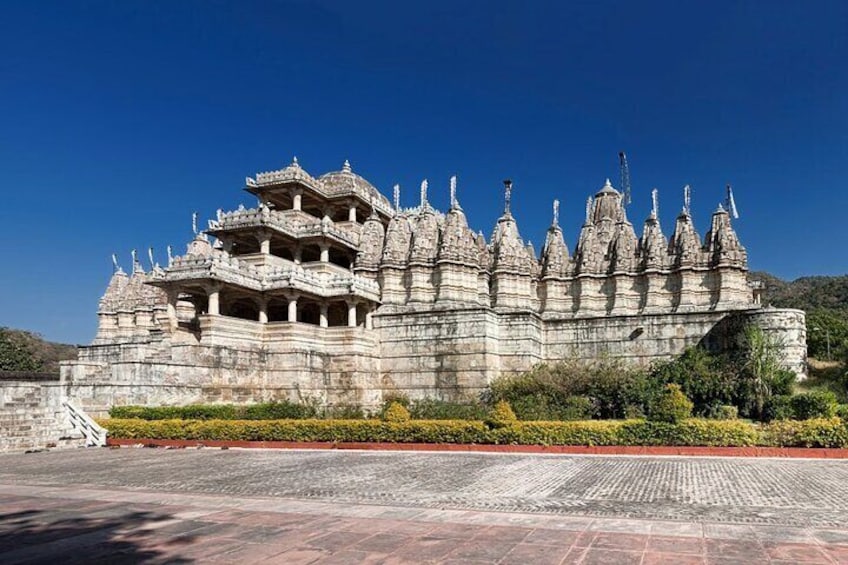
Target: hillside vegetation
point(26, 351)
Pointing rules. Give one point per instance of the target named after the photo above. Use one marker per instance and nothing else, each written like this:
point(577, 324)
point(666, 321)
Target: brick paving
point(241, 506)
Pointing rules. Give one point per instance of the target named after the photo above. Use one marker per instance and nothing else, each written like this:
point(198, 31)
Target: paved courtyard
point(240, 506)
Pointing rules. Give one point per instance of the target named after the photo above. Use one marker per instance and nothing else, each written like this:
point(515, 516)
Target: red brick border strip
point(808, 452)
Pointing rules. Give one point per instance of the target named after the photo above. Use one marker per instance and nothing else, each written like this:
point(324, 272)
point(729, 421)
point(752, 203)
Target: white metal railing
point(94, 434)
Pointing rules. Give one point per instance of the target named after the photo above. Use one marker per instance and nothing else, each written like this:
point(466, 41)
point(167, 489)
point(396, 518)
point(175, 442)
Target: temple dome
point(345, 180)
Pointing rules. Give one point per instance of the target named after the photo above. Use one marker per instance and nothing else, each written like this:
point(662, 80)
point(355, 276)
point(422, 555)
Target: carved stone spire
point(556, 213)
point(194, 223)
point(589, 202)
point(655, 204)
point(454, 203)
point(687, 200)
point(170, 255)
point(396, 194)
point(507, 197)
point(424, 185)
point(346, 167)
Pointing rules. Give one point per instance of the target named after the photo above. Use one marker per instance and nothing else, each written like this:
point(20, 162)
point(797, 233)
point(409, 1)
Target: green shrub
point(814, 404)
point(433, 409)
point(708, 380)
point(344, 412)
point(544, 392)
point(808, 433)
point(396, 412)
point(278, 410)
point(842, 412)
point(672, 406)
point(723, 412)
point(817, 432)
point(778, 408)
point(501, 415)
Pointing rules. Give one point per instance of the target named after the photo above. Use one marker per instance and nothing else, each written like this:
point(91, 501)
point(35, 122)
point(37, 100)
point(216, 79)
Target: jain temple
point(327, 291)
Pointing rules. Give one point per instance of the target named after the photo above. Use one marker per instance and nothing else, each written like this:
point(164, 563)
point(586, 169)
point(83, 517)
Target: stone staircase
point(32, 416)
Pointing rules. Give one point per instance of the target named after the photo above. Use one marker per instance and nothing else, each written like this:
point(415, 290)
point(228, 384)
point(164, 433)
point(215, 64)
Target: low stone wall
point(31, 413)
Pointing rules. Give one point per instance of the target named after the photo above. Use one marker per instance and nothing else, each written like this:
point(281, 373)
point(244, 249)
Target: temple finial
point(731, 203)
point(424, 185)
point(396, 191)
point(556, 213)
point(136, 264)
point(194, 222)
point(655, 205)
point(115, 266)
point(453, 201)
point(170, 255)
point(687, 200)
point(346, 167)
point(150, 258)
point(589, 202)
point(294, 161)
point(507, 197)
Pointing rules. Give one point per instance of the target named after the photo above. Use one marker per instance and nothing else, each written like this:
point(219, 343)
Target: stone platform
point(237, 506)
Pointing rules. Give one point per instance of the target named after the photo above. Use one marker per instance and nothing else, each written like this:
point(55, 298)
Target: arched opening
point(309, 313)
point(245, 246)
point(278, 310)
point(244, 308)
point(310, 253)
point(361, 311)
point(282, 249)
point(337, 314)
point(340, 258)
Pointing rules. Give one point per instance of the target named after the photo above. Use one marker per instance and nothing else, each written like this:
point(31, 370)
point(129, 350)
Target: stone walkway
point(240, 506)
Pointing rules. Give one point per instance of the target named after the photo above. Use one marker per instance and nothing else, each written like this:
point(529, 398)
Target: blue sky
point(121, 118)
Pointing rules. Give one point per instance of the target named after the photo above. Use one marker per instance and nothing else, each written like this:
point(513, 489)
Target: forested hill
point(806, 293)
point(26, 351)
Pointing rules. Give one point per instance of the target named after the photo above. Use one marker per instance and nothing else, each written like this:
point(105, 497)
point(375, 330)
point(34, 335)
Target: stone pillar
point(264, 242)
point(292, 308)
point(228, 245)
point(351, 314)
point(263, 310)
point(214, 301)
point(351, 215)
point(324, 320)
point(298, 253)
point(325, 253)
point(172, 310)
point(297, 199)
point(369, 318)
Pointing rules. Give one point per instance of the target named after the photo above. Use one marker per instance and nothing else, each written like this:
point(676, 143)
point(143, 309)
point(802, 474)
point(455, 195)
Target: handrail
point(94, 434)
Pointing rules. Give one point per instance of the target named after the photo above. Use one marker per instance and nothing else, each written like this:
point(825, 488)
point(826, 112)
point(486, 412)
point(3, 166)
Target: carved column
point(351, 215)
point(297, 198)
point(172, 309)
point(264, 242)
point(351, 313)
point(298, 253)
point(292, 308)
point(214, 293)
point(324, 322)
point(263, 309)
point(325, 253)
point(369, 318)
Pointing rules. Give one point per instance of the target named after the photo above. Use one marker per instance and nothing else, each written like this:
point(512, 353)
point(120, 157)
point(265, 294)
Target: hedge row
point(830, 432)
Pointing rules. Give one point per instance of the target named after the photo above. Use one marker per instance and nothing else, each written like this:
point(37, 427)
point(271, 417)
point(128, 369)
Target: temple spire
point(589, 202)
point(396, 194)
point(150, 258)
point(194, 222)
point(655, 203)
point(731, 203)
point(507, 197)
point(454, 203)
point(424, 185)
point(556, 213)
point(115, 267)
point(687, 200)
point(170, 255)
point(346, 167)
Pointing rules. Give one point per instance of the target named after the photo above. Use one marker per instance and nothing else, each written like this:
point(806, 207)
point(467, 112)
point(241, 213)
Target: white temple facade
point(327, 290)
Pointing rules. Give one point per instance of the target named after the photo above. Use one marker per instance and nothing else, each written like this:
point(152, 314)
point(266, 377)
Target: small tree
point(501, 415)
point(396, 412)
point(762, 369)
point(672, 406)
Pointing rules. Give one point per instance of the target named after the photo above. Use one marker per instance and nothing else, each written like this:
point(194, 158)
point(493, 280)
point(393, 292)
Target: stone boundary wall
point(450, 354)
